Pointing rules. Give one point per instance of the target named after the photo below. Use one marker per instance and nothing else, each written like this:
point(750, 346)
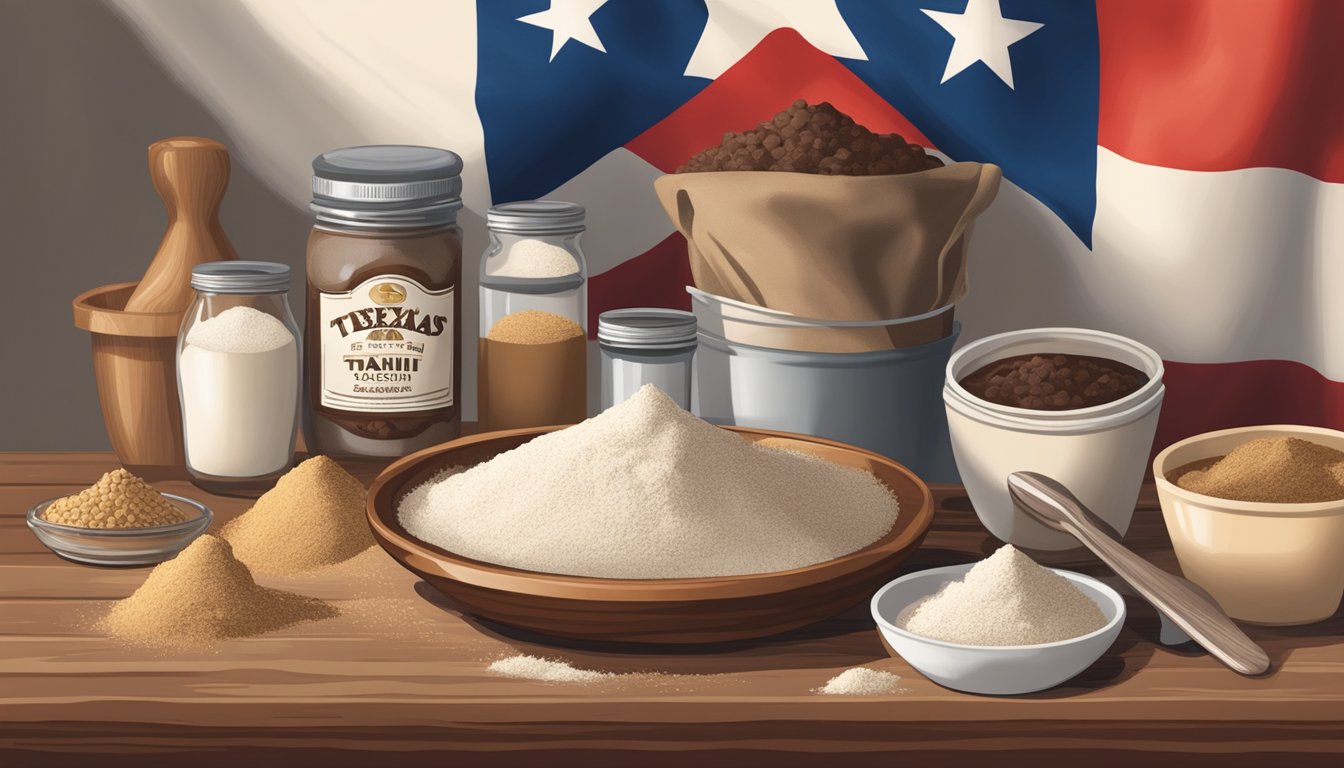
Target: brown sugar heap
point(1278, 470)
point(532, 326)
point(313, 517)
point(204, 595)
point(813, 139)
point(118, 500)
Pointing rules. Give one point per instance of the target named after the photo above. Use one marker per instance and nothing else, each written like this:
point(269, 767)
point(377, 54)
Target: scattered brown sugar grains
point(205, 595)
point(532, 326)
point(313, 517)
point(118, 500)
point(1275, 470)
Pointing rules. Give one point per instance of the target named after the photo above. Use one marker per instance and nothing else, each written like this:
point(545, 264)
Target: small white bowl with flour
point(993, 669)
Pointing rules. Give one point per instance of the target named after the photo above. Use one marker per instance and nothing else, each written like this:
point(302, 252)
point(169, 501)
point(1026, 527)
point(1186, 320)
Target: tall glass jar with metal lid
point(238, 362)
point(383, 370)
point(534, 304)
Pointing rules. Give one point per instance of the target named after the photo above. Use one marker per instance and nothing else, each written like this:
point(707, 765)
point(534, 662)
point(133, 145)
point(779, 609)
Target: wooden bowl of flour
point(676, 611)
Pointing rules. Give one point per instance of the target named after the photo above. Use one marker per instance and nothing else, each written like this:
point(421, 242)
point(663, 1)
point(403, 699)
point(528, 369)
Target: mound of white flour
point(646, 491)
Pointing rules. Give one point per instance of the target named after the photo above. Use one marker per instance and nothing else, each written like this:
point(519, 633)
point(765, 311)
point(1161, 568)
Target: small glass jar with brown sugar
point(533, 357)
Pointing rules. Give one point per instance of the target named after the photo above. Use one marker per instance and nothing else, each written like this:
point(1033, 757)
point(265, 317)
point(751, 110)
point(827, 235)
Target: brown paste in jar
point(381, 314)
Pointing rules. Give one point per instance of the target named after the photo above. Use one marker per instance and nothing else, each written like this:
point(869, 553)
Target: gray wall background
point(82, 100)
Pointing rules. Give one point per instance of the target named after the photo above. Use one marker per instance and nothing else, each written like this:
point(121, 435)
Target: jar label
point(387, 346)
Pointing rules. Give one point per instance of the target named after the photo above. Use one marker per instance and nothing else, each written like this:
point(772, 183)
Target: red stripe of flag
point(1214, 85)
point(1202, 397)
point(656, 278)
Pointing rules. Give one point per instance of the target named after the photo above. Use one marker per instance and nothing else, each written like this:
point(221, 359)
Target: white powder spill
point(861, 681)
point(534, 258)
point(1006, 599)
point(646, 490)
point(546, 670)
point(239, 330)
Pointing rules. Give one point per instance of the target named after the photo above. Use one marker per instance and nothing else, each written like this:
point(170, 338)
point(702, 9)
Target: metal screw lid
point(240, 277)
point(647, 328)
point(387, 186)
point(536, 217)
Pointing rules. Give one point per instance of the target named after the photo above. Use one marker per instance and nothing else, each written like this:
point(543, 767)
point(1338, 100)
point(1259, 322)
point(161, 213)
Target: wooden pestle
point(190, 174)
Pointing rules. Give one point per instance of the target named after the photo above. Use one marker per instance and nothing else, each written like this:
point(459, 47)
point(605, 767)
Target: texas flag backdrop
point(1174, 169)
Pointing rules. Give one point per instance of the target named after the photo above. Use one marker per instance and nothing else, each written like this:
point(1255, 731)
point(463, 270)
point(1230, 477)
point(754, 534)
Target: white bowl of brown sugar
point(1256, 516)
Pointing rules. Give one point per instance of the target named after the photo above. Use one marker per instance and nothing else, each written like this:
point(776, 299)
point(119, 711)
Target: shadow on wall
point(84, 100)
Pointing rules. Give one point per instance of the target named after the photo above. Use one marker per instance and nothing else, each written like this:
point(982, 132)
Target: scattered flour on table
point(525, 667)
point(1006, 599)
point(239, 330)
point(861, 681)
point(646, 490)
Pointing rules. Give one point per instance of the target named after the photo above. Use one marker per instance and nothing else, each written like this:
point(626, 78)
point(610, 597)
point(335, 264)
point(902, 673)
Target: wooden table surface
point(400, 675)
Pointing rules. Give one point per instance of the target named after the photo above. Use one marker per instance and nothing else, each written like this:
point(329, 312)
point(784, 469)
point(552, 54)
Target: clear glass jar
point(646, 346)
point(238, 369)
point(533, 347)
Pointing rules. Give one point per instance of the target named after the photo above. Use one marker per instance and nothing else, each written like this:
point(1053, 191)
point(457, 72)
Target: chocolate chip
point(1054, 382)
point(813, 139)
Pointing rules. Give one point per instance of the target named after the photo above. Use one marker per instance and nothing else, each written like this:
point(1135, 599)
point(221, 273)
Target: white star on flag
point(981, 33)
point(568, 20)
point(734, 27)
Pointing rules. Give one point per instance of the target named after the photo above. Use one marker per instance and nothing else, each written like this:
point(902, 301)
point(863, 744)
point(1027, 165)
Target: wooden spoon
point(1050, 503)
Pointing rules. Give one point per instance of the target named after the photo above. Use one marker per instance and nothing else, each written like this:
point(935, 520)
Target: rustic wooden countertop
point(401, 676)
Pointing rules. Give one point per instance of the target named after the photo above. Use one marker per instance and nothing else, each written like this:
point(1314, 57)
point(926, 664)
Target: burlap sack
point(831, 247)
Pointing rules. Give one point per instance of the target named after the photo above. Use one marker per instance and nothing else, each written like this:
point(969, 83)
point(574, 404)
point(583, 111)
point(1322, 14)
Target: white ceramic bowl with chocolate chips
point(1093, 436)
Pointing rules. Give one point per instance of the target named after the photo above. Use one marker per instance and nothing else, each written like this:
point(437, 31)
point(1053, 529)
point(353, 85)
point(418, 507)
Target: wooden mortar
point(135, 325)
point(135, 365)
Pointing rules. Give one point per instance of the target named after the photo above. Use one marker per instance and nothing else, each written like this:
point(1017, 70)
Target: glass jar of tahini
point(383, 370)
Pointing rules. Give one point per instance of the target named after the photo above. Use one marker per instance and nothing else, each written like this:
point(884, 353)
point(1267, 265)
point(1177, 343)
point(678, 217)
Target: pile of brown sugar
point(118, 500)
point(205, 595)
point(813, 139)
point(1277, 470)
point(312, 518)
point(532, 326)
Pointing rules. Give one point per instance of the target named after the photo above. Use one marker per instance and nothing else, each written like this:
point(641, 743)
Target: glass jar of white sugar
point(532, 362)
point(646, 346)
point(238, 367)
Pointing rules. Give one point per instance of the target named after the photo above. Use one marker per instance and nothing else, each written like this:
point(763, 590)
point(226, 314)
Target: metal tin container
point(888, 401)
point(646, 346)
